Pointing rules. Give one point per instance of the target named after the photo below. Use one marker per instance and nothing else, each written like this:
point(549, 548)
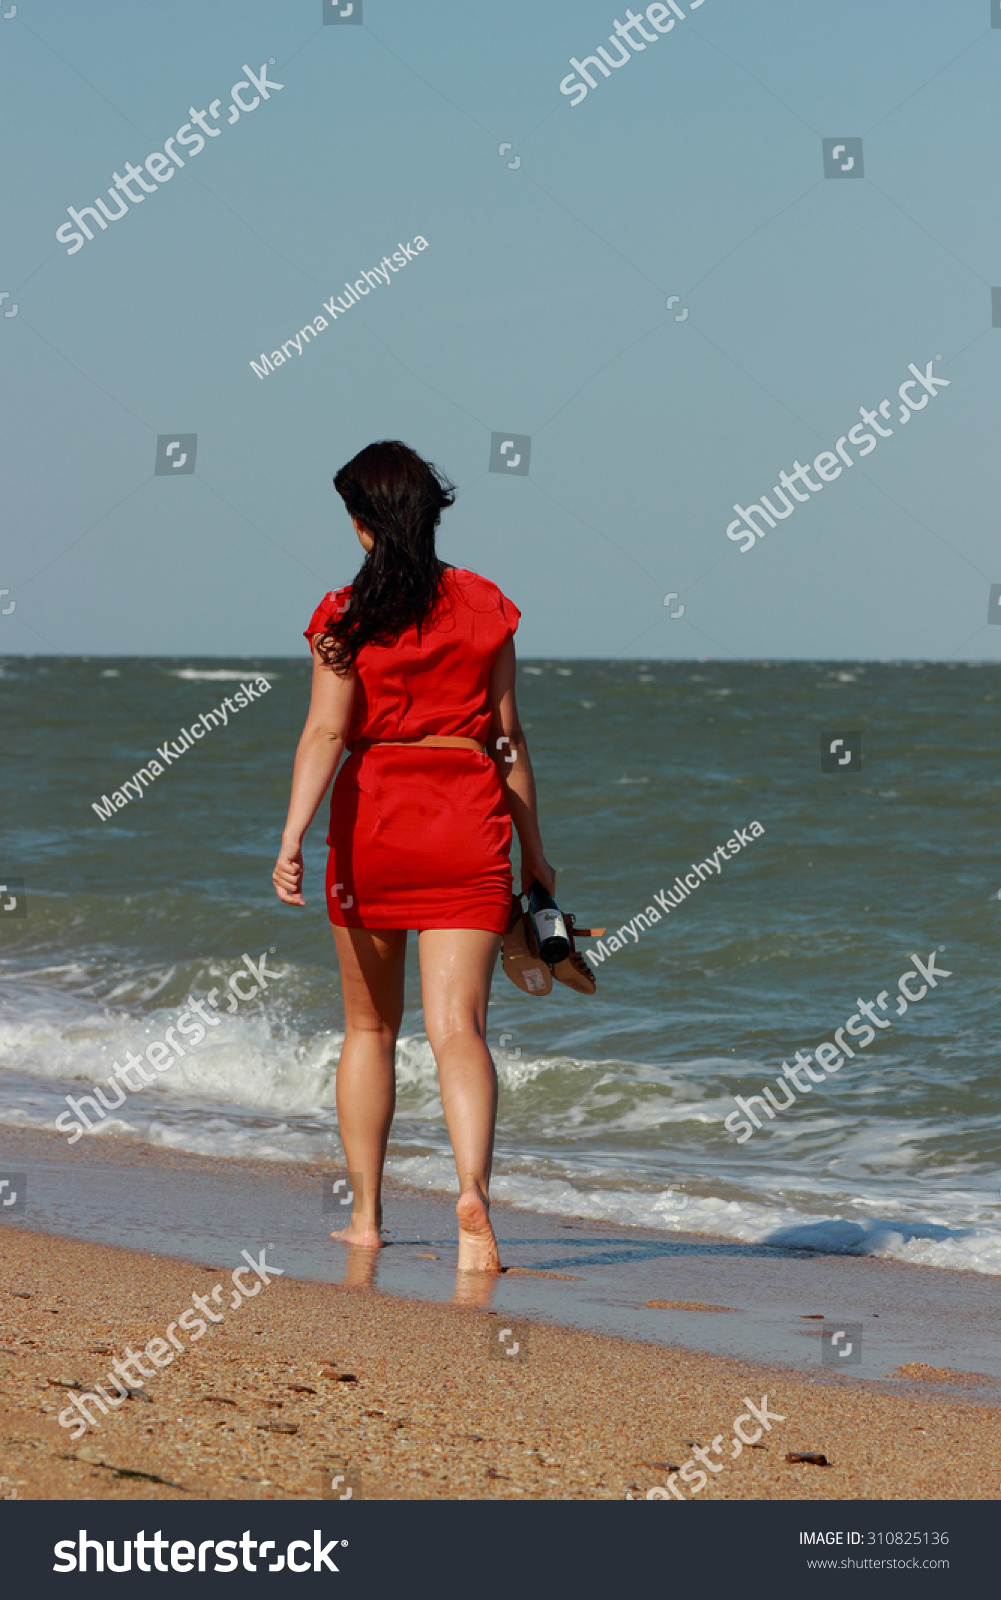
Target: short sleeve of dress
point(510, 614)
point(331, 604)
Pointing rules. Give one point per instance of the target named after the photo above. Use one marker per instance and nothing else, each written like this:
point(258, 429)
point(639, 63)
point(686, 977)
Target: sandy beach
point(304, 1382)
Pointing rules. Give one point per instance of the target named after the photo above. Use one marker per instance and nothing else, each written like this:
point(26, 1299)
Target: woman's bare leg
point(456, 967)
point(372, 965)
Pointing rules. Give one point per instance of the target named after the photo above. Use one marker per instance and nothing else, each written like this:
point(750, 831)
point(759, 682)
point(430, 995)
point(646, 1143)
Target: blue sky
point(538, 308)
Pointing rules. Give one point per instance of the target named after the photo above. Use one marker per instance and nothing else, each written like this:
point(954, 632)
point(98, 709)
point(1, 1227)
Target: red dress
point(421, 838)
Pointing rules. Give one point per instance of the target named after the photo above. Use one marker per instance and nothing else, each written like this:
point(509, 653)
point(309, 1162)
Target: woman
point(414, 674)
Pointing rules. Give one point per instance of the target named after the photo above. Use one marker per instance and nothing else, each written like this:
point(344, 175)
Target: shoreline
point(738, 1301)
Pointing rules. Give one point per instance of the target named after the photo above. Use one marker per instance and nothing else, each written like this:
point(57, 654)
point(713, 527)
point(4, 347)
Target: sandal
point(574, 971)
point(525, 967)
point(520, 953)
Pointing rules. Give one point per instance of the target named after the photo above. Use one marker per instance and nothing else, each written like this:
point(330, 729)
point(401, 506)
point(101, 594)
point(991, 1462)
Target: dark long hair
point(399, 498)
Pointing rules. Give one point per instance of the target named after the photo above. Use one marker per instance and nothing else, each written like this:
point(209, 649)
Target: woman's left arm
point(320, 749)
point(515, 770)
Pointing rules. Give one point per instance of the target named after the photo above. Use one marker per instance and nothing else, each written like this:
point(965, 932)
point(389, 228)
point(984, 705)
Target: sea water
point(611, 1106)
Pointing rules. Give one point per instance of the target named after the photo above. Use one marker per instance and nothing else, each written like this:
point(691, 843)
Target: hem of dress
point(472, 924)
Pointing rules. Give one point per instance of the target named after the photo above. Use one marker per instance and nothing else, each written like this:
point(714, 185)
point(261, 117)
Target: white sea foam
point(578, 1137)
point(217, 674)
point(973, 1249)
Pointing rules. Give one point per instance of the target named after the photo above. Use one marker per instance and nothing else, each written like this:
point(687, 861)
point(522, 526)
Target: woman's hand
point(536, 869)
point(287, 876)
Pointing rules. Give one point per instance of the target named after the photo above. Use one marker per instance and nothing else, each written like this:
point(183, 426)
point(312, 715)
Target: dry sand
point(307, 1380)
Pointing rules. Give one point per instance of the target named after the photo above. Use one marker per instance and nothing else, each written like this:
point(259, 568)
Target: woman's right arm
point(320, 749)
point(509, 750)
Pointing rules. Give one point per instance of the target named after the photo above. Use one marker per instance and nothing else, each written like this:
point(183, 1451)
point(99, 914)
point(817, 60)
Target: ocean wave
point(629, 1142)
point(971, 1249)
point(210, 1130)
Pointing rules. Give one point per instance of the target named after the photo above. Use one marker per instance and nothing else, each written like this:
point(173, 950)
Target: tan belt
point(433, 741)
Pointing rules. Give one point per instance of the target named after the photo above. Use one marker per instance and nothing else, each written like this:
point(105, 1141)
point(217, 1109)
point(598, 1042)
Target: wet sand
point(638, 1283)
point(400, 1399)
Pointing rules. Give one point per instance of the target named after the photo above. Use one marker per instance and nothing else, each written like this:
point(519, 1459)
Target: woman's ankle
point(367, 1220)
point(473, 1207)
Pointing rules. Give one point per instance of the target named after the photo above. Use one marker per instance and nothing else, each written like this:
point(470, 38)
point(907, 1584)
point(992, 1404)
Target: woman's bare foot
point(477, 1244)
point(364, 1234)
